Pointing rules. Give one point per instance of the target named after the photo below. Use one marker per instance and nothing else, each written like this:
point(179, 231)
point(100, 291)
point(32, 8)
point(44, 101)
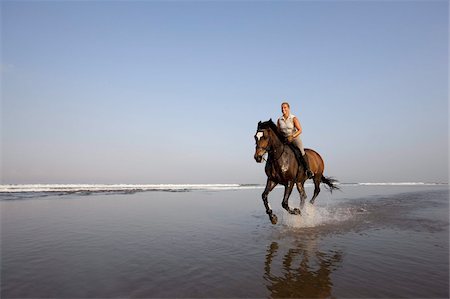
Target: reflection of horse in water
point(283, 168)
point(305, 271)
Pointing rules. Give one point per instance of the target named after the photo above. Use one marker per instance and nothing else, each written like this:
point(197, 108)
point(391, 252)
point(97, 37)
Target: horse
point(283, 168)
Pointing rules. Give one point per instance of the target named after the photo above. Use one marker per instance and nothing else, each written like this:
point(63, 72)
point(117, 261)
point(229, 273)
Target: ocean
point(368, 240)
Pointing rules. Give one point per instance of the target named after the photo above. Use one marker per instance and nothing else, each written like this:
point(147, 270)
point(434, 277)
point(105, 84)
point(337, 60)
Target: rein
point(274, 152)
point(271, 150)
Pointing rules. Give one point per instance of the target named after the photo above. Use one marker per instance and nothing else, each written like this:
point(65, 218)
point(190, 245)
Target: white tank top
point(287, 126)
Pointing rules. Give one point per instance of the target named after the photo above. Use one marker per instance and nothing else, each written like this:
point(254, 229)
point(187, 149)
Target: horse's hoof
point(311, 201)
point(273, 219)
point(294, 211)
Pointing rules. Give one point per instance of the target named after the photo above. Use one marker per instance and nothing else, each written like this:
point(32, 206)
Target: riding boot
point(302, 159)
point(298, 156)
point(309, 173)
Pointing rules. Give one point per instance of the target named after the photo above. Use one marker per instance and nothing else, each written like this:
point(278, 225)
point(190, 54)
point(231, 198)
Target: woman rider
point(290, 127)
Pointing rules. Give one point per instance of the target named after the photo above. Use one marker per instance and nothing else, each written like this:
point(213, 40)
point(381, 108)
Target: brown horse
point(283, 168)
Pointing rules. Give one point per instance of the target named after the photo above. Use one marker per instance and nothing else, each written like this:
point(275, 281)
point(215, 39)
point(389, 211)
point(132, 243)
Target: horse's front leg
point(287, 192)
point(269, 187)
point(303, 196)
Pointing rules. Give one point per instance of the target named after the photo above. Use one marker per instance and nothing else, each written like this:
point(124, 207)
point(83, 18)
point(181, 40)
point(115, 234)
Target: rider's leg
point(299, 144)
point(309, 173)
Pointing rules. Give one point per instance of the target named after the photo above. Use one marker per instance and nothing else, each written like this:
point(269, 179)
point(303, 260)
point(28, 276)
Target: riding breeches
point(298, 143)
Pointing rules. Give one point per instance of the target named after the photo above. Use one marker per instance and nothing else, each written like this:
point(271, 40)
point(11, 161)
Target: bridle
point(269, 149)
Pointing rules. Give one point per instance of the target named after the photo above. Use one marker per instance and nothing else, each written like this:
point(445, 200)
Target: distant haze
point(154, 92)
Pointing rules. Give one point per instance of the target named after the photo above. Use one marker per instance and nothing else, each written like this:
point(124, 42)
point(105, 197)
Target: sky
point(172, 91)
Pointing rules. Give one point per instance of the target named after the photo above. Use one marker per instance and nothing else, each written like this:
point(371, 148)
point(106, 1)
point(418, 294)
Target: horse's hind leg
point(287, 192)
point(317, 179)
point(301, 190)
point(269, 187)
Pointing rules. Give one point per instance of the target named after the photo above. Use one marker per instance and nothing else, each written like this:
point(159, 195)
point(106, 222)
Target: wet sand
point(364, 242)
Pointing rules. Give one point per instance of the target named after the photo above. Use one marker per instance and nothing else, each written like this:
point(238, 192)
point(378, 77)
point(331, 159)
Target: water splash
point(313, 216)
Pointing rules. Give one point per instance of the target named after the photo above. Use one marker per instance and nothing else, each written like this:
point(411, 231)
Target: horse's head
point(262, 138)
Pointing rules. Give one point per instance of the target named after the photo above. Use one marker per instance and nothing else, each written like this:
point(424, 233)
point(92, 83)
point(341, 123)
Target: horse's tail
point(330, 183)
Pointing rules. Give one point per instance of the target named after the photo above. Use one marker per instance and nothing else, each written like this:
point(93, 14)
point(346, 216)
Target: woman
point(290, 127)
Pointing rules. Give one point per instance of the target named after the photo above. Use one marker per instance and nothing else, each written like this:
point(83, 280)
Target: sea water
point(383, 240)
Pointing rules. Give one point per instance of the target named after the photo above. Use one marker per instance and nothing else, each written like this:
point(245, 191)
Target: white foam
point(399, 184)
point(12, 188)
point(120, 187)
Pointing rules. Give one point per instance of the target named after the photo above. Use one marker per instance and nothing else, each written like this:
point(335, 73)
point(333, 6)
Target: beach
point(365, 241)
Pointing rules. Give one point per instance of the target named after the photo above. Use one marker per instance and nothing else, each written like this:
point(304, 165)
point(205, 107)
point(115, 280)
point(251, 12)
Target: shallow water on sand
point(366, 241)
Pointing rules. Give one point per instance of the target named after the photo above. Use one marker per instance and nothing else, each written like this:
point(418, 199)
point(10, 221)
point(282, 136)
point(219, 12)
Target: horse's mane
point(271, 125)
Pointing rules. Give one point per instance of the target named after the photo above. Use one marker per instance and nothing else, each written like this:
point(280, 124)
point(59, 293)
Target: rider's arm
point(298, 127)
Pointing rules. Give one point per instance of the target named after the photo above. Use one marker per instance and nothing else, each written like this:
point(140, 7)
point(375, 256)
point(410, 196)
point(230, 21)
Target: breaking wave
point(72, 188)
point(22, 191)
point(395, 184)
point(19, 188)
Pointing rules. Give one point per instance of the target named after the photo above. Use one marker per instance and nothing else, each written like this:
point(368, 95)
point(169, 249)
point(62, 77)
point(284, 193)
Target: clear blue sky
point(171, 92)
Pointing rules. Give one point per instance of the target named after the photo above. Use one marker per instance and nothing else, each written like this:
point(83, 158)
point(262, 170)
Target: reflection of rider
point(290, 127)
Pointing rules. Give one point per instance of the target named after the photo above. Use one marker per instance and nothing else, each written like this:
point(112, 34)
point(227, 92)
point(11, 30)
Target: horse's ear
point(270, 119)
